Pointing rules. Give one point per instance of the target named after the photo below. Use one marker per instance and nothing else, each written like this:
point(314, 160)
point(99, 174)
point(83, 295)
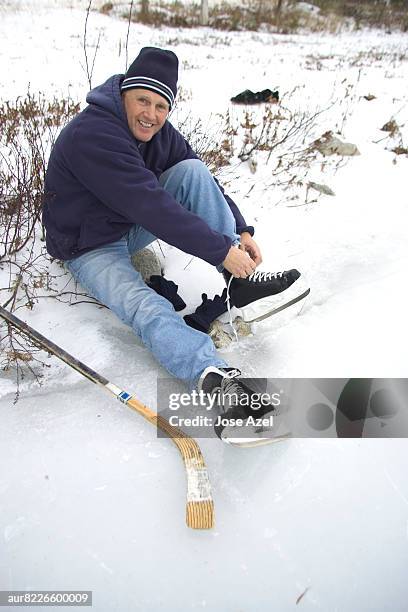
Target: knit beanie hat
point(154, 69)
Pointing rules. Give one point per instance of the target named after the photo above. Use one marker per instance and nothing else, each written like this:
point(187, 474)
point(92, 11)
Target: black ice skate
point(247, 415)
point(263, 294)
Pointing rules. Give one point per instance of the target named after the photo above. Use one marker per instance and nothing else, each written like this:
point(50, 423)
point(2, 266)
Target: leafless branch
point(127, 33)
point(89, 69)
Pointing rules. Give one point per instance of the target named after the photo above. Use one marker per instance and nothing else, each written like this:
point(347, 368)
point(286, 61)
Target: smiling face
point(146, 112)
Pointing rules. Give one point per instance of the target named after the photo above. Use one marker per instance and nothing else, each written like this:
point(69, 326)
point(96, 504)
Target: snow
point(91, 498)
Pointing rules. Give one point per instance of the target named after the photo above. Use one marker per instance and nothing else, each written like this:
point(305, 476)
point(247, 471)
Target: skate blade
point(252, 442)
point(252, 435)
point(267, 307)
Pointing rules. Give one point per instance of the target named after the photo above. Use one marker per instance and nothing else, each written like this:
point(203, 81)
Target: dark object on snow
point(167, 289)
point(106, 8)
point(207, 312)
point(391, 126)
point(400, 151)
point(249, 97)
point(320, 188)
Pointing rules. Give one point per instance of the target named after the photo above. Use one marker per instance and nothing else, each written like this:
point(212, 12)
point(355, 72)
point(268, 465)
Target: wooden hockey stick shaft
point(200, 506)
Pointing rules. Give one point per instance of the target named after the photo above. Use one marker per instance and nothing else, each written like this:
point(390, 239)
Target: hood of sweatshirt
point(108, 96)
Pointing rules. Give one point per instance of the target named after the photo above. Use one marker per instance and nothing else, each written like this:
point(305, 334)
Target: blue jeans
point(109, 276)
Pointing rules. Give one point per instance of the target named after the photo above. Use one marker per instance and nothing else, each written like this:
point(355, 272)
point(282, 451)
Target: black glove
point(167, 289)
point(207, 312)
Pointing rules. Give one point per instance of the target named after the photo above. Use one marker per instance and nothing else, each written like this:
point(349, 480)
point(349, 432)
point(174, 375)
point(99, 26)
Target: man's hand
point(249, 245)
point(239, 263)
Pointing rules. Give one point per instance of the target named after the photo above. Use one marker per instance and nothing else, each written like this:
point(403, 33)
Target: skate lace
point(264, 276)
point(231, 387)
point(228, 300)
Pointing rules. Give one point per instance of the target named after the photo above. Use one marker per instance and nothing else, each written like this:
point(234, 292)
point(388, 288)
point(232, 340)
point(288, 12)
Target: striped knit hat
point(154, 69)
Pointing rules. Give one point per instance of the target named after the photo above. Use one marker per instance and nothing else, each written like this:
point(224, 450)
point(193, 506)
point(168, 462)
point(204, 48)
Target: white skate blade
point(248, 442)
point(252, 435)
point(268, 306)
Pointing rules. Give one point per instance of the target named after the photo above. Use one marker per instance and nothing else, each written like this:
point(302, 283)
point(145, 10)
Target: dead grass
point(260, 15)
point(368, 13)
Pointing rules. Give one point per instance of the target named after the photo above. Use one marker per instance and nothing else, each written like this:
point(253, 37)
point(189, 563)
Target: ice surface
point(90, 498)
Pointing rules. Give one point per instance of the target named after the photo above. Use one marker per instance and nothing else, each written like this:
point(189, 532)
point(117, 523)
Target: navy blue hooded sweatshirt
point(101, 180)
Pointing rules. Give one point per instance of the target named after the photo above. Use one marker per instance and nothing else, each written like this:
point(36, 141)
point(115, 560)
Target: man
point(120, 176)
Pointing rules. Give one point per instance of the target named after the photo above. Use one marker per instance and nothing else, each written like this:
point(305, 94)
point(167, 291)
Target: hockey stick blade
point(200, 506)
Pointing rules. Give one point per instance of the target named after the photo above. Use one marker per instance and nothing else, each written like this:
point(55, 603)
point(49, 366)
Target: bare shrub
point(277, 135)
point(284, 16)
point(247, 15)
point(213, 142)
point(28, 128)
point(390, 14)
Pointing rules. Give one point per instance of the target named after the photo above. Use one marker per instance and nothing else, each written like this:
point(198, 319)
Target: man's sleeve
point(182, 150)
point(111, 168)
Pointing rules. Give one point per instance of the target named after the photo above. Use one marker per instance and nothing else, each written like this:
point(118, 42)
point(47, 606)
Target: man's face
point(146, 112)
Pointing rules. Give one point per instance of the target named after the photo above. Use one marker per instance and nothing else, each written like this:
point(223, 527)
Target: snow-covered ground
point(90, 498)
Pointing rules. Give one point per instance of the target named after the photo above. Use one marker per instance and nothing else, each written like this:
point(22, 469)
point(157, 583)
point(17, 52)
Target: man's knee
point(187, 167)
point(150, 315)
point(191, 164)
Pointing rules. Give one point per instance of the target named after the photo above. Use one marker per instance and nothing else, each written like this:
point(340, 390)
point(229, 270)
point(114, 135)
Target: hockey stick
point(200, 506)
